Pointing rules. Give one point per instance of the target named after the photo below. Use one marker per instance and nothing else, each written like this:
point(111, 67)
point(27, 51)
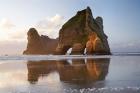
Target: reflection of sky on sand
point(51, 78)
point(12, 74)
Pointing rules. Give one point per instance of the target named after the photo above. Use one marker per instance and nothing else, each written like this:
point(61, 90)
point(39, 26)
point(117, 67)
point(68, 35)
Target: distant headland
point(79, 33)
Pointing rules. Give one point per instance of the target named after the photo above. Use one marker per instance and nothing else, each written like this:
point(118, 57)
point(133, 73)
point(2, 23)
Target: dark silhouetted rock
point(39, 44)
point(83, 31)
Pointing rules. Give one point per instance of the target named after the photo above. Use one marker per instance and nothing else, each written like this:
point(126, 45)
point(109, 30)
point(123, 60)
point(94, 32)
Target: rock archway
point(83, 31)
point(80, 32)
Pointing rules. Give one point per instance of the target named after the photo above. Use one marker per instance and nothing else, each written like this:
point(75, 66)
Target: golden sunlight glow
point(3, 35)
point(6, 27)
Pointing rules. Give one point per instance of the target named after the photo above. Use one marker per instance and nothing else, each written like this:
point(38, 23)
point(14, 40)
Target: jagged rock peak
point(88, 10)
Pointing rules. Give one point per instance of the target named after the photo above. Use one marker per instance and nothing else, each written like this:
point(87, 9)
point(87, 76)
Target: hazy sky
point(121, 21)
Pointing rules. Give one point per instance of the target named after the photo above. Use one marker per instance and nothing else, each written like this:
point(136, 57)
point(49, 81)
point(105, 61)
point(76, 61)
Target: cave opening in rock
point(85, 50)
point(69, 51)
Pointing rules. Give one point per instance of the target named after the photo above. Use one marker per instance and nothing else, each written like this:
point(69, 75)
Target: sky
point(121, 21)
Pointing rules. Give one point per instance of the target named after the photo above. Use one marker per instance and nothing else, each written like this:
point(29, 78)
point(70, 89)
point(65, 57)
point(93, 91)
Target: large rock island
point(81, 33)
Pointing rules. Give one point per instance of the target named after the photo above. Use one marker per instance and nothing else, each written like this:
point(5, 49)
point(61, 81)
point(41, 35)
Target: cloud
point(6, 23)
point(19, 34)
point(50, 25)
point(13, 34)
point(13, 38)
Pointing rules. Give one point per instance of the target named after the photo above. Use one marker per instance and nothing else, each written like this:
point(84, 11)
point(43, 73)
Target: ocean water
point(118, 73)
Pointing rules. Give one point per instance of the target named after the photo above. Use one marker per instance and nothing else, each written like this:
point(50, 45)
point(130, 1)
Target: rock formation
point(83, 32)
point(39, 44)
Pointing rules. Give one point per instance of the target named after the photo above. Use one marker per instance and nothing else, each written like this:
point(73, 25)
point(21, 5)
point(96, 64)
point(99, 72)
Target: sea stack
point(83, 32)
point(39, 44)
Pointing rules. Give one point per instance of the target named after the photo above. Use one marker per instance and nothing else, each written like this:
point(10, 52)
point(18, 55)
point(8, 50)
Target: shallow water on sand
point(70, 74)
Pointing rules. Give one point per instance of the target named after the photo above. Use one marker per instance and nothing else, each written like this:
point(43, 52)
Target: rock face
point(39, 44)
point(83, 32)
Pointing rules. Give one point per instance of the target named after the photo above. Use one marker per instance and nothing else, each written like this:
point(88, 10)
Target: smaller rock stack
point(39, 44)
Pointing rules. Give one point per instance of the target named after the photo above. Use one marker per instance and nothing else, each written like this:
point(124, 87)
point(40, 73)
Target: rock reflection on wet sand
point(99, 75)
point(77, 71)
